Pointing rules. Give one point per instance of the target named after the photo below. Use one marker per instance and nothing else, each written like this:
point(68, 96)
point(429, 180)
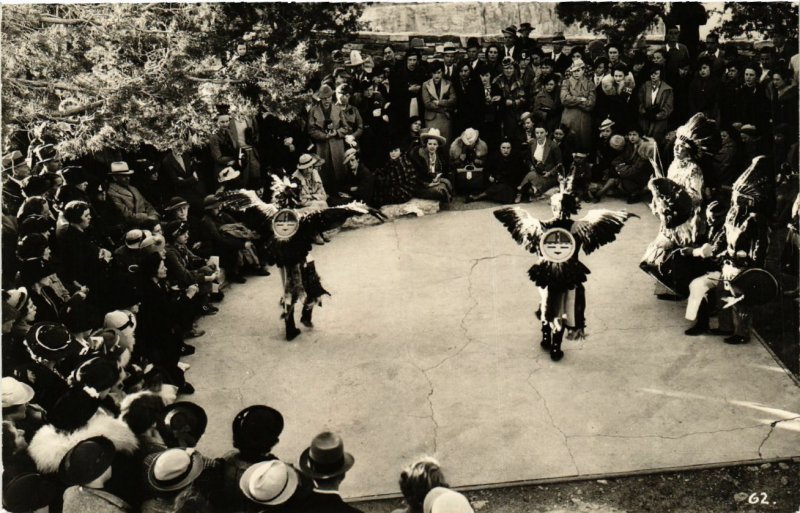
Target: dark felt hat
point(73, 410)
point(29, 492)
point(257, 426)
point(174, 229)
point(76, 315)
point(526, 27)
point(175, 203)
point(32, 246)
point(98, 372)
point(50, 341)
point(34, 223)
point(87, 461)
point(73, 175)
point(325, 458)
point(37, 185)
point(182, 424)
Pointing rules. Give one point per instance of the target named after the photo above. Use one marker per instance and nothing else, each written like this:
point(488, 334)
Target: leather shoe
point(318, 240)
point(208, 310)
point(194, 333)
point(238, 278)
point(735, 340)
point(696, 330)
point(186, 389)
point(668, 297)
point(187, 349)
point(216, 296)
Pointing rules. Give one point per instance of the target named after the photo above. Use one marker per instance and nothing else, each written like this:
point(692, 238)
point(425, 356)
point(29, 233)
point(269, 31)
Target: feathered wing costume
point(678, 199)
point(289, 233)
point(558, 274)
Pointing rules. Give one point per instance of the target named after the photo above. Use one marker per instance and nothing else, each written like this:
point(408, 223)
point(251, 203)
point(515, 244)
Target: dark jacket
point(183, 181)
point(326, 502)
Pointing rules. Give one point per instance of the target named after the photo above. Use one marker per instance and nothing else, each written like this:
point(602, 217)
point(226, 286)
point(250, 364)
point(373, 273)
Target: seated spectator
point(185, 269)
point(326, 463)
point(416, 480)
point(182, 424)
point(311, 192)
point(132, 206)
point(505, 171)
point(396, 181)
point(75, 186)
point(545, 164)
point(227, 178)
point(435, 180)
point(15, 172)
point(581, 171)
point(468, 149)
point(85, 469)
point(727, 163)
point(167, 474)
point(444, 500)
point(23, 416)
point(31, 491)
point(39, 276)
point(357, 183)
point(274, 484)
point(83, 264)
point(633, 167)
point(220, 242)
point(609, 182)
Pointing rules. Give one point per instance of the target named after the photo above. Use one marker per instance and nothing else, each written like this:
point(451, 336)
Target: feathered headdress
point(569, 202)
point(753, 184)
point(283, 190)
point(701, 135)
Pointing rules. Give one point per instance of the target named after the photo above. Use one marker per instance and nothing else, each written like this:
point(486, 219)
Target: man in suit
point(511, 48)
point(326, 463)
point(561, 60)
point(236, 139)
point(132, 206)
point(677, 54)
point(714, 53)
point(655, 105)
point(449, 59)
point(178, 176)
point(524, 41)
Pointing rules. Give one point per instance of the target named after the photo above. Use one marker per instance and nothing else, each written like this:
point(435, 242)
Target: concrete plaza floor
point(429, 345)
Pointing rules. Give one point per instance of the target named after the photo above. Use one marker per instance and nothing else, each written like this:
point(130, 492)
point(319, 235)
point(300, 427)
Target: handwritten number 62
point(758, 498)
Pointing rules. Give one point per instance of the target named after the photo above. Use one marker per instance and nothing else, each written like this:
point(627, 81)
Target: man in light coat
point(132, 206)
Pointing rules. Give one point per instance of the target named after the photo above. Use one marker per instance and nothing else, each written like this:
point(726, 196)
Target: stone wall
point(466, 19)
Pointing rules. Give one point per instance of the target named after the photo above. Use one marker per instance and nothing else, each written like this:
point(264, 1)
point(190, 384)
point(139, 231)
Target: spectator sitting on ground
point(545, 165)
point(609, 183)
point(435, 180)
point(127, 199)
point(468, 149)
point(505, 170)
point(416, 480)
point(633, 167)
point(396, 181)
point(357, 183)
point(221, 243)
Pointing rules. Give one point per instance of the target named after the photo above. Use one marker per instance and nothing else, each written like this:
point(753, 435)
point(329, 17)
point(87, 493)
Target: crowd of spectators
point(110, 261)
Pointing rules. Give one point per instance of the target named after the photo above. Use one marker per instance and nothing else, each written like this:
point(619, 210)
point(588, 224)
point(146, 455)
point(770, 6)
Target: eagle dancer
point(558, 274)
point(288, 233)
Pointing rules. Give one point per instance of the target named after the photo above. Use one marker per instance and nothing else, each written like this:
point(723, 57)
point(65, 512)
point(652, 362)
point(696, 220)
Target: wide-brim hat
point(325, 91)
point(173, 469)
point(257, 425)
point(227, 174)
point(325, 457)
point(73, 410)
point(350, 154)
point(355, 58)
point(175, 203)
point(174, 229)
point(559, 38)
point(432, 133)
point(182, 417)
point(269, 482)
point(445, 500)
point(607, 123)
point(30, 492)
point(210, 202)
point(524, 116)
point(98, 372)
point(511, 30)
point(86, 461)
point(15, 393)
point(470, 136)
point(51, 341)
point(526, 27)
point(577, 64)
point(305, 161)
point(120, 169)
point(73, 175)
point(449, 47)
point(12, 160)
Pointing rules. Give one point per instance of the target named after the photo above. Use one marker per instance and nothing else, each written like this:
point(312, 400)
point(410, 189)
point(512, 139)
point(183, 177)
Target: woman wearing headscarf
point(578, 97)
point(439, 98)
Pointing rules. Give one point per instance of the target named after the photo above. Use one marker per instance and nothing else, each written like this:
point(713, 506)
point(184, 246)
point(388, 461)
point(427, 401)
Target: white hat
point(17, 298)
point(120, 169)
point(305, 161)
point(607, 123)
point(227, 174)
point(269, 482)
point(444, 500)
point(15, 392)
point(350, 154)
point(470, 136)
point(355, 58)
point(432, 133)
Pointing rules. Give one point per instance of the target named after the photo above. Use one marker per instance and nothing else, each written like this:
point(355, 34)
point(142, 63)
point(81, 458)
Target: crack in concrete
point(772, 426)
point(552, 420)
point(432, 416)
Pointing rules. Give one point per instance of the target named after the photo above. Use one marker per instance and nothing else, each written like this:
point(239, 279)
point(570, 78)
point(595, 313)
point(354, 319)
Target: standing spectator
point(727, 160)
point(677, 54)
point(766, 62)
point(222, 147)
point(440, 100)
point(714, 55)
point(614, 55)
point(178, 176)
point(510, 46)
point(512, 98)
point(134, 209)
point(561, 61)
point(326, 463)
point(751, 104)
point(680, 95)
point(704, 90)
point(784, 49)
point(490, 101)
point(493, 61)
point(731, 80)
point(655, 105)
point(578, 97)
point(327, 128)
point(406, 90)
point(473, 53)
point(783, 101)
point(469, 99)
point(449, 61)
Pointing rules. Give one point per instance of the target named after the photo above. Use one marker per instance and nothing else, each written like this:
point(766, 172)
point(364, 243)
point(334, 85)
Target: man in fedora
point(449, 52)
point(326, 463)
point(86, 468)
point(510, 46)
point(236, 139)
point(15, 174)
point(135, 210)
point(524, 41)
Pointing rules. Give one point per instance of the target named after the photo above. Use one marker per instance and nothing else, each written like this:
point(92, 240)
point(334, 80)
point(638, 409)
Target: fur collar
point(49, 446)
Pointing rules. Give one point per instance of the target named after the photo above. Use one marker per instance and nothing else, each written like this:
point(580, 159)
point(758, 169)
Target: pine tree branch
point(213, 80)
point(44, 84)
